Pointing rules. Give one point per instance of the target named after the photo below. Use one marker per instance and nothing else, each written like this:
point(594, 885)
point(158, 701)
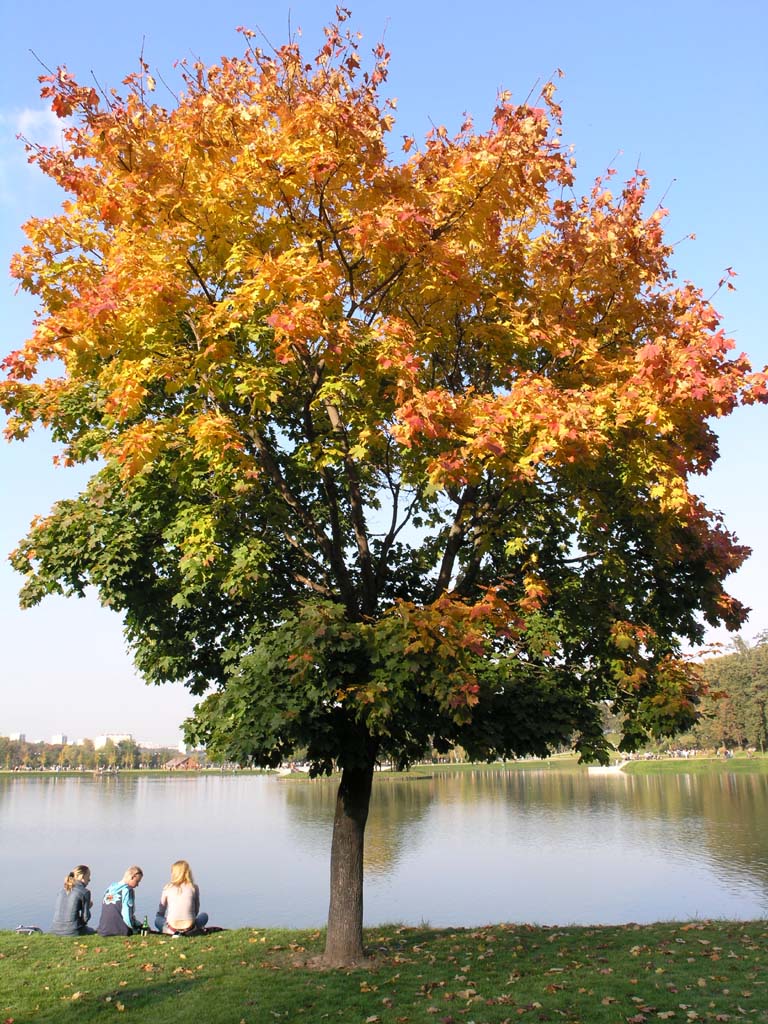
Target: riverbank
point(741, 764)
point(701, 971)
point(110, 773)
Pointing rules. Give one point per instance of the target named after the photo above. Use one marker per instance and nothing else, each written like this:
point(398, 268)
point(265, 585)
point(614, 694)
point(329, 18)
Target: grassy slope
point(702, 971)
point(739, 765)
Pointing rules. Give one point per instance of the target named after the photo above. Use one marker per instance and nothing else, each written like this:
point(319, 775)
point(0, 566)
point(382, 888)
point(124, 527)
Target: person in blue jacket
point(73, 904)
point(117, 905)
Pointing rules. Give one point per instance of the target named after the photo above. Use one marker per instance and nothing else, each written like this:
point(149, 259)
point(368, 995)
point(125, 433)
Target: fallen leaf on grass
point(76, 995)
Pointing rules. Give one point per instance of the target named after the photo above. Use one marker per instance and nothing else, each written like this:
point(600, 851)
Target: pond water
point(459, 848)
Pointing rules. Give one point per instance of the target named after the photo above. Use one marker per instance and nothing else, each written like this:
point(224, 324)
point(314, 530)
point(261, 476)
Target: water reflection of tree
point(397, 804)
point(729, 811)
point(533, 789)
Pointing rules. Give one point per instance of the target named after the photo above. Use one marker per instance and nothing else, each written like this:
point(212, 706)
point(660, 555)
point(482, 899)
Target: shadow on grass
point(165, 1000)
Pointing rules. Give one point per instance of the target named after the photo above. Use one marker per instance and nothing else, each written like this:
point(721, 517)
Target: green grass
point(702, 971)
point(558, 762)
point(740, 764)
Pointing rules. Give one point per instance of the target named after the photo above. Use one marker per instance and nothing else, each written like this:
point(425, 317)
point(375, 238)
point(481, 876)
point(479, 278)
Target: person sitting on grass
point(117, 917)
point(179, 909)
point(73, 904)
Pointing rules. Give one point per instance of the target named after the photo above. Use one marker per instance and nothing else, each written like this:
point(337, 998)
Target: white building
point(58, 739)
point(18, 737)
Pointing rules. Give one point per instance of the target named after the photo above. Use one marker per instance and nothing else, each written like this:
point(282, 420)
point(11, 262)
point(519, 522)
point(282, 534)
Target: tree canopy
point(392, 444)
point(735, 711)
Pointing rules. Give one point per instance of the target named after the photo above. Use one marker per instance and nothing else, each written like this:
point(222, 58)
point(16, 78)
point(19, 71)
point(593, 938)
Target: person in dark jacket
point(73, 904)
point(117, 905)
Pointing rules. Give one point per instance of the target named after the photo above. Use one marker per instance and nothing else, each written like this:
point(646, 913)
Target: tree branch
point(357, 509)
point(200, 281)
point(456, 537)
point(317, 587)
point(331, 552)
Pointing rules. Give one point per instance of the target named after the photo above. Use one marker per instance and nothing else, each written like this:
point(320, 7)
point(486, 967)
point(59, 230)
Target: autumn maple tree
point(391, 451)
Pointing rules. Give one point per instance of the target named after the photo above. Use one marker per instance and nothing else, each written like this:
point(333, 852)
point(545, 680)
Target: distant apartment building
point(17, 737)
point(116, 737)
point(58, 739)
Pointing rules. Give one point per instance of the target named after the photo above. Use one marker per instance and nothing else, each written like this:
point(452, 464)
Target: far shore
point(641, 764)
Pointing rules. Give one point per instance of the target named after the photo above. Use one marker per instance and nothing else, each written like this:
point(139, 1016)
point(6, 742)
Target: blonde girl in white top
point(179, 909)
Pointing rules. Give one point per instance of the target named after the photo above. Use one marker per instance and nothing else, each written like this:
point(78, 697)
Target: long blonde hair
point(181, 874)
point(81, 873)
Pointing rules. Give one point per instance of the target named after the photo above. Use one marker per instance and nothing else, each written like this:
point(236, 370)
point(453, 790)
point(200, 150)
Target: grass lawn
point(558, 762)
point(740, 764)
point(701, 971)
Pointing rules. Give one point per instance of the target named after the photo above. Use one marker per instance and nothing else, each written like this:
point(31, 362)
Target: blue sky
point(676, 87)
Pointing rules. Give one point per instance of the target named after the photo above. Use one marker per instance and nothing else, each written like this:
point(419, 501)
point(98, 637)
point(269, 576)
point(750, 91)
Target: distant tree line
point(126, 754)
point(735, 713)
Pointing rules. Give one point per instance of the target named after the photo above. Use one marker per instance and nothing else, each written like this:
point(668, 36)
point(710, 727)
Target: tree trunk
point(344, 941)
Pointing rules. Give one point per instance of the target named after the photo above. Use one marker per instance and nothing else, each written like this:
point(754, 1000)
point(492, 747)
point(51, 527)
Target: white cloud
point(41, 126)
point(37, 124)
point(17, 175)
